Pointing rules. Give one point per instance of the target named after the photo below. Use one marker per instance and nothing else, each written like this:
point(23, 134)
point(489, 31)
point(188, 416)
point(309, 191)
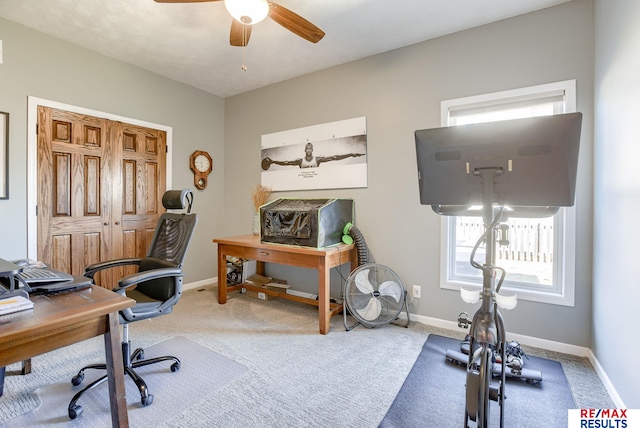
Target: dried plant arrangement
point(259, 195)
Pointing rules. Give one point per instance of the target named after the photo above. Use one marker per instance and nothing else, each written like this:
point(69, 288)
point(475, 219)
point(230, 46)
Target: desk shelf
point(320, 259)
point(335, 308)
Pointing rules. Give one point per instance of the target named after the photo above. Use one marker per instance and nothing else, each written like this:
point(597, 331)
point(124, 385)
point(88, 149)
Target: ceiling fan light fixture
point(248, 12)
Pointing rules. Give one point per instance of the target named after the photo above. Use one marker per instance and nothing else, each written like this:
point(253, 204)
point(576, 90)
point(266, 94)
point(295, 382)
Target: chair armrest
point(147, 275)
point(91, 270)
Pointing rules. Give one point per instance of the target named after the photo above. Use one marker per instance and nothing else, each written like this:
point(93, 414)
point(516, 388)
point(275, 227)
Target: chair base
point(137, 356)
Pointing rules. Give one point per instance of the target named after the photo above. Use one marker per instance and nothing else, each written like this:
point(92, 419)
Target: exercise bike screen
point(536, 158)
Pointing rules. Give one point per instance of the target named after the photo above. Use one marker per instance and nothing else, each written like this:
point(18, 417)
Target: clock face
point(202, 163)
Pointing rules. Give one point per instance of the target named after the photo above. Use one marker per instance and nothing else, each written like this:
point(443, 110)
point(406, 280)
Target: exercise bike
point(487, 342)
point(487, 333)
point(527, 168)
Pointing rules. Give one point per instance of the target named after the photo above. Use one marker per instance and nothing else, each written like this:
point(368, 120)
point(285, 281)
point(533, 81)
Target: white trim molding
point(32, 156)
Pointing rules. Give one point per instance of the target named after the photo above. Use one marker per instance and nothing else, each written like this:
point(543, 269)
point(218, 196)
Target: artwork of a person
point(309, 160)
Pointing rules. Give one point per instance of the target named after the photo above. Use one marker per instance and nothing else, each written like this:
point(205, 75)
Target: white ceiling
point(190, 42)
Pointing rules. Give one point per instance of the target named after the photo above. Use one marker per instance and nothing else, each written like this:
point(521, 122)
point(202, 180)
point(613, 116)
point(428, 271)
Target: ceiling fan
point(246, 13)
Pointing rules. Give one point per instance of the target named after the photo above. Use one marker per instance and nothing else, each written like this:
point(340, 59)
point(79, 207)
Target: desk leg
point(324, 291)
point(222, 275)
point(2, 369)
point(115, 373)
point(26, 367)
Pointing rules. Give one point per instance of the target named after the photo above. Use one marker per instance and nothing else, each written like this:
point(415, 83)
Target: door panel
point(143, 178)
point(67, 208)
point(100, 187)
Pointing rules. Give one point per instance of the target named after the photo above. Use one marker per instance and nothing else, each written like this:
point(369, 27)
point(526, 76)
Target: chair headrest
point(178, 199)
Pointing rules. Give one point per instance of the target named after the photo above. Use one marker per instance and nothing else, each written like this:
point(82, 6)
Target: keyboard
point(40, 275)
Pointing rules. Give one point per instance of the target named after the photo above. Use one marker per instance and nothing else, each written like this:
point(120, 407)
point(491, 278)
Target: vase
point(256, 224)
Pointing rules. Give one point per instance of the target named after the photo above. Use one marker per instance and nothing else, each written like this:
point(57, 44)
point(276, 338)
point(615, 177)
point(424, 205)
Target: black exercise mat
point(433, 393)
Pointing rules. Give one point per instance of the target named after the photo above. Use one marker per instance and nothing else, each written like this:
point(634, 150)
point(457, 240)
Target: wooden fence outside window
point(530, 240)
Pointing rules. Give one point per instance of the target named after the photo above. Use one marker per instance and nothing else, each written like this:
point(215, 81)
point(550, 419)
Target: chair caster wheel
point(146, 401)
point(140, 356)
point(75, 411)
point(77, 380)
point(175, 367)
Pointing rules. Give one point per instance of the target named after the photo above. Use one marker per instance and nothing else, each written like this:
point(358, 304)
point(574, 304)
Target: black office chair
point(158, 286)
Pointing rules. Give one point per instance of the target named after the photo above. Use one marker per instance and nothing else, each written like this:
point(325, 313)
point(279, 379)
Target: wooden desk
point(63, 319)
point(321, 259)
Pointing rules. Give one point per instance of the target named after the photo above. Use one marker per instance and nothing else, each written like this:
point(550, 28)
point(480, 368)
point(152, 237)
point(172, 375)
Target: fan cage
point(374, 295)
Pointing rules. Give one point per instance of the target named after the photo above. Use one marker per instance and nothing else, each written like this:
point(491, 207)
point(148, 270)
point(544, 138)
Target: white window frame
point(562, 291)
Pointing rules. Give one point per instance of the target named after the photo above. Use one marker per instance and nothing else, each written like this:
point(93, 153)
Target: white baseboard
point(613, 393)
point(522, 339)
point(550, 345)
point(202, 283)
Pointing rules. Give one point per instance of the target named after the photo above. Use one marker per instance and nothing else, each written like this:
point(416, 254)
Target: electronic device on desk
point(32, 276)
point(36, 272)
point(37, 277)
point(76, 283)
point(50, 287)
point(9, 286)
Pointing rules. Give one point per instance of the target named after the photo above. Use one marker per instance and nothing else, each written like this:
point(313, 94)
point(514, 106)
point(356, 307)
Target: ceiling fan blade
point(240, 33)
point(295, 23)
point(184, 1)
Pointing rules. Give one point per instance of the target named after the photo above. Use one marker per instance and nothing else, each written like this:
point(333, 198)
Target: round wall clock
point(201, 165)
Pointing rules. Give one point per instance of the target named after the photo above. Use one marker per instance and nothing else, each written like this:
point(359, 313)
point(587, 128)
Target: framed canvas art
point(327, 156)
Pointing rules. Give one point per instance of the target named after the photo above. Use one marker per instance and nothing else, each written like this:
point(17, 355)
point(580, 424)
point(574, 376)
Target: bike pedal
point(463, 320)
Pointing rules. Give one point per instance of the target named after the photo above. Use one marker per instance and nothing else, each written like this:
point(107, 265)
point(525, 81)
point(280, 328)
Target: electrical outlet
point(262, 296)
point(416, 291)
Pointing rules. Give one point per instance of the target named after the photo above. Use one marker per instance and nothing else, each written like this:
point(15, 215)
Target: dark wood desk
point(321, 259)
point(63, 319)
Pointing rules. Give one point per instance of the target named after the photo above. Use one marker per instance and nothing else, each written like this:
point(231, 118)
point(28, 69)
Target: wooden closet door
point(142, 172)
point(74, 213)
point(100, 189)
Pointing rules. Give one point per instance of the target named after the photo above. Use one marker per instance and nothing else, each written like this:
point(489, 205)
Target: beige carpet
point(296, 377)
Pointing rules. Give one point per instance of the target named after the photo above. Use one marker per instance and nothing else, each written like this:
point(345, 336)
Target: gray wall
point(398, 92)
point(41, 66)
point(616, 287)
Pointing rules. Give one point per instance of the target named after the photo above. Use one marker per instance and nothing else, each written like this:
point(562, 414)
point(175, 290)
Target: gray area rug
point(433, 393)
point(201, 370)
point(295, 377)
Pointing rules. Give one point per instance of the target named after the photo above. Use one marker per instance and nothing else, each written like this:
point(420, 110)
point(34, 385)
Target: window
point(540, 257)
